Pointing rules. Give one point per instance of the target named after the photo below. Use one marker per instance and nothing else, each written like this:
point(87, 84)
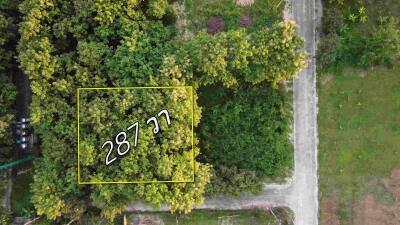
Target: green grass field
point(359, 134)
point(244, 217)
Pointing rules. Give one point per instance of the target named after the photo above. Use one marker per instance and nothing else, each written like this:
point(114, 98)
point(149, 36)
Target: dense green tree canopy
point(65, 45)
point(8, 35)
point(270, 55)
point(64, 48)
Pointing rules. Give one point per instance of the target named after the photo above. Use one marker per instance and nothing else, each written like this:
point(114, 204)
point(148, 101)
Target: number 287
point(123, 142)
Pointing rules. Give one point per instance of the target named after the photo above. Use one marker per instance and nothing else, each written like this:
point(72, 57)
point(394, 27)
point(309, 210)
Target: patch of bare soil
point(329, 207)
point(363, 73)
point(244, 2)
point(326, 78)
point(371, 212)
point(143, 219)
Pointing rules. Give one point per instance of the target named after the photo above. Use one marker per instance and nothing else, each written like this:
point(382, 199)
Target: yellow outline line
point(191, 93)
point(137, 182)
point(133, 88)
point(77, 103)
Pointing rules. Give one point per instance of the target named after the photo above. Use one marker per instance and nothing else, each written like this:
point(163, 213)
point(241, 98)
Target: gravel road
point(304, 190)
point(300, 193)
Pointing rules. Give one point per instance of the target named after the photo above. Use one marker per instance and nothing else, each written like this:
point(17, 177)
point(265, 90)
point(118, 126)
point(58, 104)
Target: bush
point(383, 45)
point(231, 181)
point(250, 134)
point(5, 217)
point(332, 20)
point(327, 50)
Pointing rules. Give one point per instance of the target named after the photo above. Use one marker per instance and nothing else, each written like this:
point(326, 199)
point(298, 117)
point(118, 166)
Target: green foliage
point(5, 217)
point(65, 45)
point(8, 33)
point(275, 54)
point(250, 134)
point(62, 48)
point(8, 25)
point(353, 48)
point(332, 20)
point(359, 34)
point(263, 13)
point(383, 46)
point(231, 181)
point(271, 55)
point(7, 97)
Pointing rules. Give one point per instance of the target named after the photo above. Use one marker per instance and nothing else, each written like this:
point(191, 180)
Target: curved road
point(301, 192)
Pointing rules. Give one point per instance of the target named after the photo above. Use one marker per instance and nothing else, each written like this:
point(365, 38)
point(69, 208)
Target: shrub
point(383, 45)
point(327, 50)
point(248, 133)
point(332, 20)
point(5, 217)
point(231, 181)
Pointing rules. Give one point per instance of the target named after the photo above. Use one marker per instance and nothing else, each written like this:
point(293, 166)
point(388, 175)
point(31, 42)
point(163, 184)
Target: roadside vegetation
point(276, 216)
point(251, 14)
point(237, 75)
point(360, 34)
point(358, 65)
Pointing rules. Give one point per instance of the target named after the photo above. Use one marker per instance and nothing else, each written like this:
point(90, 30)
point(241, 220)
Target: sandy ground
point(329, 207)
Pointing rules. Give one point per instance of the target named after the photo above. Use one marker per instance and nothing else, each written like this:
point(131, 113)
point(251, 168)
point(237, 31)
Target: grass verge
point(244, 217)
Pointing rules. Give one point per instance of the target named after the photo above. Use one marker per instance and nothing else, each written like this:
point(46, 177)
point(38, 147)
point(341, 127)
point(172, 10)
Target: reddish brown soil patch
point(371, 212)
point(215, 25)
point(326, 78)
point(329, 207)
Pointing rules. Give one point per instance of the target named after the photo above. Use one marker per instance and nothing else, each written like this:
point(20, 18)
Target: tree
point(276, 55)
point(7, 97)
point(8, 27)
point(270, 55)
point(232, 181)
point(63, 47)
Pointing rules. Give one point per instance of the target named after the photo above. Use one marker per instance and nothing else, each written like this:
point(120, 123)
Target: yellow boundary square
point(135, 88)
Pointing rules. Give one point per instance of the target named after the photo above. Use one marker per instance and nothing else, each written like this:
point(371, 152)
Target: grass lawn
point(359, 134)
point(20, 196)
point(245, 217)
